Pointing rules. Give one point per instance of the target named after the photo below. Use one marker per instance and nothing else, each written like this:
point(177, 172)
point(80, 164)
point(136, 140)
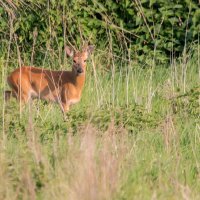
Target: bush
point(139, 26)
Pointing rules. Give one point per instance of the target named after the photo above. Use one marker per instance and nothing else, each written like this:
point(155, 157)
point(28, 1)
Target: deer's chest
point(72, 96)
point(73, 101)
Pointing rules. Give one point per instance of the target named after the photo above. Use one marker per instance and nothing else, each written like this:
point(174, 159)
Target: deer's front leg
point(65, 110)
point(64, 103)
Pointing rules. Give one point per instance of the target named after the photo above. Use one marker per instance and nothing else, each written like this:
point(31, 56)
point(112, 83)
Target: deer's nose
point(79, 70)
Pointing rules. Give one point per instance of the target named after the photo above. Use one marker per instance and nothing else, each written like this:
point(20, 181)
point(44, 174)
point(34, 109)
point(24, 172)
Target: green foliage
point(146, 28)
point(188, 103)
point(135, 132)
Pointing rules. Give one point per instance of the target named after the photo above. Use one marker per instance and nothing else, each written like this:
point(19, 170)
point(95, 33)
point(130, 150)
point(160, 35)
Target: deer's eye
point(84, 61)
point(74, 61)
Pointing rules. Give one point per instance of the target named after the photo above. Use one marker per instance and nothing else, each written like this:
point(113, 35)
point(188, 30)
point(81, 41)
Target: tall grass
point(134, 135)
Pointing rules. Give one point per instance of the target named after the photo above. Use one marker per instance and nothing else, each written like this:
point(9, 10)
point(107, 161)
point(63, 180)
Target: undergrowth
point(133, 135)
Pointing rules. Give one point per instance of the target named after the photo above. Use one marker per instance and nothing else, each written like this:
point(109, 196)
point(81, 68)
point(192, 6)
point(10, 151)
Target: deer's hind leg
point(20, 94)
point(24, 92)
point(10, 93)
point(7, 95)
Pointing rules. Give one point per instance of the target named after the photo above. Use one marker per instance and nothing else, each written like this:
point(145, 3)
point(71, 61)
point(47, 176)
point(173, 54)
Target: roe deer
point(63, 87)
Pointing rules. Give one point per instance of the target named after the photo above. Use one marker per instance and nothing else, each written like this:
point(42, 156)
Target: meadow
point(133, 135)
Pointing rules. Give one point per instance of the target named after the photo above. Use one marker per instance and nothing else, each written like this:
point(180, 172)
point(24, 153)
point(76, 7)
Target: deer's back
point(39, 82)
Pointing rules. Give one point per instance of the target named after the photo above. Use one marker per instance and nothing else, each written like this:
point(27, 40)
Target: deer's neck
point(79, 81)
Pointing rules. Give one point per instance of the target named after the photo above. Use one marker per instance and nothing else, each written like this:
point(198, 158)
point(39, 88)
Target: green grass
point(134, 135)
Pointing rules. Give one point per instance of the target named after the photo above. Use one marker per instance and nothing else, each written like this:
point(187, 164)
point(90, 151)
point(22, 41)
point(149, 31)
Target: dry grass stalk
point(92, 166)
point(169, 132)
point(29, 185)
point(184, 190)
point(33, 142)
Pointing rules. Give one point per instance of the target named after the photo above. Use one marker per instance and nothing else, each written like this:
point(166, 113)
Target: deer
point(62, 87)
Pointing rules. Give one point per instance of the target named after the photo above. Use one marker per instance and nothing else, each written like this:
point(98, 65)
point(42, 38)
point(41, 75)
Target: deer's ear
point(69, 51)
point(90, 49)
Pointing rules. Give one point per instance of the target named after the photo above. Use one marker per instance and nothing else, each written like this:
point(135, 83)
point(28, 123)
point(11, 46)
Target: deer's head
point(79, 58)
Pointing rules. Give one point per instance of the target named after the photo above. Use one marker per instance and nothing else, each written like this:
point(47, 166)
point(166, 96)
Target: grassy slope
point(126, 139)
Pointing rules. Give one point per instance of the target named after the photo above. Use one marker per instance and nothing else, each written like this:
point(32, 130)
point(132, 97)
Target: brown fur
point(63, 87)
